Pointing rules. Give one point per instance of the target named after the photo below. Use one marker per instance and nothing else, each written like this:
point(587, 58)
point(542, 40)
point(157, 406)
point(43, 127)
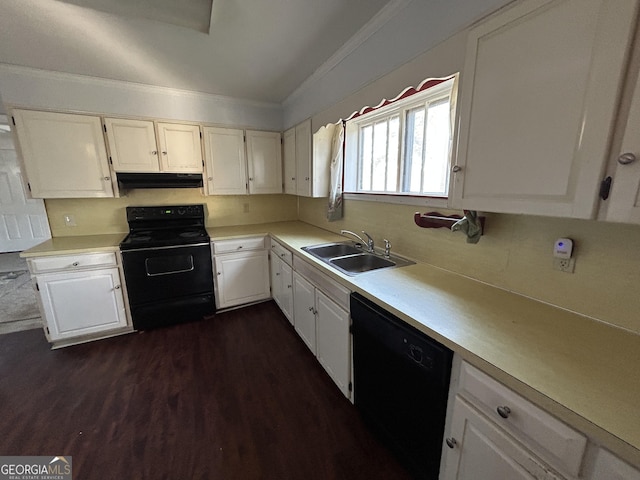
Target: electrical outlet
point(566, 265)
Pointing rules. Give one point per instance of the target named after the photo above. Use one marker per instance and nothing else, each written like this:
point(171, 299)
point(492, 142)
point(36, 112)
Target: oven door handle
point(168, 272)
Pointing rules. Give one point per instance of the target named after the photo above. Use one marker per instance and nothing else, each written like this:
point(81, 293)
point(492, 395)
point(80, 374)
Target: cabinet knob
point(288, 286)
point(117, 287)
point(626, 158)
point(155, 152)
point(456, 168)
point(107, 179)
point(293, 178)
point(210, 178)
point(451, 442)
point(504, 411)
point(219, 273)
point(164, 153)
point(250, 179)
point(277, 274)
point(239, 247)
point(306, 178)
point(75, 264)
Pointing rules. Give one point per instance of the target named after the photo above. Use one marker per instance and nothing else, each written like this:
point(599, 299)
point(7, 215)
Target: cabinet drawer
point(560, 444)
point(281, 252)
point(72, 262)
point(238, 244)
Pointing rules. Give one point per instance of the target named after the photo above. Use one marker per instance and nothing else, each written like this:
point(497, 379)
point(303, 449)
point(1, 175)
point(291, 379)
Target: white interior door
point(23, 222)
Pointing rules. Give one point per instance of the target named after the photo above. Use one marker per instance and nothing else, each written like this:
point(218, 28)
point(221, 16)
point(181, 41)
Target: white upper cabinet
point(64, 155)
point(264, 159)
point(132, 144)
point(225, 161)
point(539, 95)
point(134, 148)
point(180, 149)
point(307, 159)
point(289, 151)
point(623, 205)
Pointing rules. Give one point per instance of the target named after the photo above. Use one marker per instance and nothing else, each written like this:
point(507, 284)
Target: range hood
point(128, 181)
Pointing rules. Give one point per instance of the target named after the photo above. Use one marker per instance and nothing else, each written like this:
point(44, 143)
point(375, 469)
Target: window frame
point(400, 108)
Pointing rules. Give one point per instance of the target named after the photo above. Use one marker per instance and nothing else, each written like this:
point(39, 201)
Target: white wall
point(28, 87)
point(406, 30)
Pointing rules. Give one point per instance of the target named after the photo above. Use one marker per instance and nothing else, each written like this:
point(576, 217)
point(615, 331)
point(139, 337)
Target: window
point(403, 148)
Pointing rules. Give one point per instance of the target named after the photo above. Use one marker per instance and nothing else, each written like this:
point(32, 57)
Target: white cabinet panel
point(483, 452)
point(241, 278)
point(225, 159)
point(282, 286)
point(132, 145)
point(289, 152)
point(303, 158)
point(304, 310)
point(539, 95)
point(81, 303)
point(609, 467)
point(333, 341)
point(264, 158)
point(64, 155)
point(180, 150)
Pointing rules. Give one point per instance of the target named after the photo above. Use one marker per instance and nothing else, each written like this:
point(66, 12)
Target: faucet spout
point(369, 242)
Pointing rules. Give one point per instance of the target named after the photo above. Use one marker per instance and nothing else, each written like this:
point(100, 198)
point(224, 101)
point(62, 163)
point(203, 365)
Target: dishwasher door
point(401, 383)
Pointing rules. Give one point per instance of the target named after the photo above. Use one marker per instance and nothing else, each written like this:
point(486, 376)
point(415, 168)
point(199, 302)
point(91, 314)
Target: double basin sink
point(351, 259)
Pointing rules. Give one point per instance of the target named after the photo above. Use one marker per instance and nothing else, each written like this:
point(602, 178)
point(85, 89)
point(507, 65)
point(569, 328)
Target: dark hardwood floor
point(237, 396)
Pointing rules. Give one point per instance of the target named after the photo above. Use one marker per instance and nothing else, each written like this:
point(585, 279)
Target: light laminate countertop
point(585, 372)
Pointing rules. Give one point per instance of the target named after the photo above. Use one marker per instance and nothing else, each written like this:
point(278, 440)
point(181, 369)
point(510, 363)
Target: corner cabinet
point(133, 146)
point(282, 278)
point(241, 271)
point(307, 159)
point(80, 295)
point(540, 90)
point(64, 155)
point(264, 162)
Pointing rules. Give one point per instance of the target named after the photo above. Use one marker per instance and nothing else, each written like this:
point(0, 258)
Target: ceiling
point(252, 49)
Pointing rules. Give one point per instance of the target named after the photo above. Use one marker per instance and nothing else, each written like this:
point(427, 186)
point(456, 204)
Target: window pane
point(435, 165)
point(367, 149)
point(414, 150)
point(379, 156)
point(392, 154)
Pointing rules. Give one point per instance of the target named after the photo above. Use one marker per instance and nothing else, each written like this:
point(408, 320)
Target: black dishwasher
point(401, 383)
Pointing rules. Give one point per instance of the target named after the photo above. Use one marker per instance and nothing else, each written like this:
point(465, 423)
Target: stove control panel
point(159, 212)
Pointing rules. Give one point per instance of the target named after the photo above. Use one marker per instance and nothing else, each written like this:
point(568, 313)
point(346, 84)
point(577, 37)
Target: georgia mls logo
point(35, 468)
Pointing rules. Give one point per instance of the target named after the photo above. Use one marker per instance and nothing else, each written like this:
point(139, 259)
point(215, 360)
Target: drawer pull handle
point(504, 412)
point(282, 254)
point(239, 247)
point(451, 442)
point(75, 264)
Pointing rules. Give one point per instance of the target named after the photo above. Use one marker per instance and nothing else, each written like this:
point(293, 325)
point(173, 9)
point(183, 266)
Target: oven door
point(166, 273)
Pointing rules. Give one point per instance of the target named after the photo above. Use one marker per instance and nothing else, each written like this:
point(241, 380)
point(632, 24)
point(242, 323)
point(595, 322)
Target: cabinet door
point(180, 150)
point(276, 279)
point(304, 309)
point(241, 278)
point(333, 341)
point(225, 161)
point(132, 145)
point(303, 159)
point(540, 89)
point(264, 158)
point(286, 291)
point(81, 303)
point(64, 155)
point(624, 203)
point(289, 150)
point(483, 451)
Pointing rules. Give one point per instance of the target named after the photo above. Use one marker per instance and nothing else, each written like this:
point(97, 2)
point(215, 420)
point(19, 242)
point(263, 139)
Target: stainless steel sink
point(351, 259)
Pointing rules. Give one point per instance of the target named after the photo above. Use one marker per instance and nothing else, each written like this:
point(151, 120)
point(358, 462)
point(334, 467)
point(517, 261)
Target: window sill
point(437, 202)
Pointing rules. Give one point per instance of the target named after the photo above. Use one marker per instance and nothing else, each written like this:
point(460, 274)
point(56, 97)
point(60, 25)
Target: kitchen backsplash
point(107, 215)
point(514, 254)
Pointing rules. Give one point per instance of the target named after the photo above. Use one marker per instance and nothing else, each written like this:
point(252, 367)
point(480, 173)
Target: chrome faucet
point(387, 248)
point(369, 242)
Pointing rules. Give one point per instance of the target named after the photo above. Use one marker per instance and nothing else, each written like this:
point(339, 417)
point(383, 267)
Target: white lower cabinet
point(321, 318)
point(77, 300)
point(241, 270)
point(282, 279)
point(304, 310)
point(482, 451)
point(495, 433)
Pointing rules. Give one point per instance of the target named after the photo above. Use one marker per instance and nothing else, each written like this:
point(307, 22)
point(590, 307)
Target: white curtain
point(334, 211)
